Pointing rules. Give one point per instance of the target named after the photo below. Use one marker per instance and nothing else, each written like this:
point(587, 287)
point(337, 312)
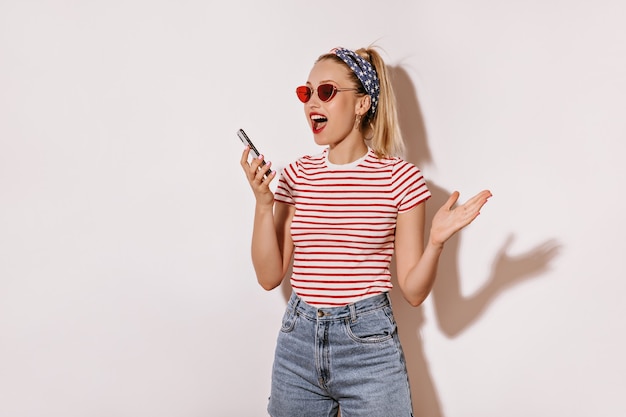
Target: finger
point(484, 195)
point(262, 170)
point(249, 167)
point(244, 157)
point(269, 177)
point(254, 165)
point(452, 200)
point(257, 165)
point(476, 202)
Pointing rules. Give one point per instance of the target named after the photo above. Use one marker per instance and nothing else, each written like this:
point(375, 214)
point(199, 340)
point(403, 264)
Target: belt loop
point(296, 301)
point(352, 312)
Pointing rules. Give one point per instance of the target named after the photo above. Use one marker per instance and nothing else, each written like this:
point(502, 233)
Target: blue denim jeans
point(342, 357)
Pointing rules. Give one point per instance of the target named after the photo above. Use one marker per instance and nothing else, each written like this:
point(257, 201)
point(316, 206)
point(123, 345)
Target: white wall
point(126, 287)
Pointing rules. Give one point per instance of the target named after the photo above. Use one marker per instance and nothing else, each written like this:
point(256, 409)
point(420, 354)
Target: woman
point(341, 215)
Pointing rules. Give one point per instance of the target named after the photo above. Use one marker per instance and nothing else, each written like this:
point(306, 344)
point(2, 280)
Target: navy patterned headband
point(364, 71)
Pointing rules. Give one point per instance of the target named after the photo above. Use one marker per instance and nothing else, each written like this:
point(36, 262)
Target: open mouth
point(318, 122)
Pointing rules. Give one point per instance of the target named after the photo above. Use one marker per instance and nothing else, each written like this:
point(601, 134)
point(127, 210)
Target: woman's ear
point(363, 105)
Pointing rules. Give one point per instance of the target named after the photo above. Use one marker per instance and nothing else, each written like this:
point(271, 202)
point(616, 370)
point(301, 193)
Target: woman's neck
point(345, 153)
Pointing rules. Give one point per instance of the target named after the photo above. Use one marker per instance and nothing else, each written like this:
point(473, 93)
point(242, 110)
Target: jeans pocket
point(372, 327)
point(289, 320)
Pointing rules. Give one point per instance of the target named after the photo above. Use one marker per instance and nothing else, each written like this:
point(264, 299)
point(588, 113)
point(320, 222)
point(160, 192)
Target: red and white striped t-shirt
point(344, 224)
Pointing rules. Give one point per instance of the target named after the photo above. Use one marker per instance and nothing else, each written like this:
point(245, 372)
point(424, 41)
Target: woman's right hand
point(256, 175)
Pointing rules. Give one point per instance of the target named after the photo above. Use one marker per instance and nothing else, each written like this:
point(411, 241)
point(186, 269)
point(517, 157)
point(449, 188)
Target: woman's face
point(334, 120)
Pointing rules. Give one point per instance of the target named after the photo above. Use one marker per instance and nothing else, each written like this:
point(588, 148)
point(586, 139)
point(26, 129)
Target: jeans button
point(320, 313)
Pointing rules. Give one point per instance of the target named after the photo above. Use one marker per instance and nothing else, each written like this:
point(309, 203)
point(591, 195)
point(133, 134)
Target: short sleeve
point(409, 186)
point(284, 190)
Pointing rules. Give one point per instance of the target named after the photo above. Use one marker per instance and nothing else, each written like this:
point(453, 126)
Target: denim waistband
point(331, 313)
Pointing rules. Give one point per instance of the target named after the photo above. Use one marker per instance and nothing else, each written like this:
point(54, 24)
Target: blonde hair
point(386, 137)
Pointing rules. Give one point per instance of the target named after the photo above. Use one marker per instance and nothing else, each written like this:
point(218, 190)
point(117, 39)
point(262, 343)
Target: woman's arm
point(416, 265)
point(272, 246)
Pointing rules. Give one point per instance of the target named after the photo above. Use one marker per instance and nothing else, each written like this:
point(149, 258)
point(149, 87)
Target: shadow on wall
point(454, 312)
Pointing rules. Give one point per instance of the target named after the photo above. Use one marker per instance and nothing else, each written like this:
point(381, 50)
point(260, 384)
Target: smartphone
point(253, 150)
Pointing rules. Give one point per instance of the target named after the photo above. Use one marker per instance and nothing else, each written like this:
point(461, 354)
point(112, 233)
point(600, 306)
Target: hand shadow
point(454, 312)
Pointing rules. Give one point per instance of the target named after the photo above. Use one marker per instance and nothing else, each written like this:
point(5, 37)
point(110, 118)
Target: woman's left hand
point(448, 220)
